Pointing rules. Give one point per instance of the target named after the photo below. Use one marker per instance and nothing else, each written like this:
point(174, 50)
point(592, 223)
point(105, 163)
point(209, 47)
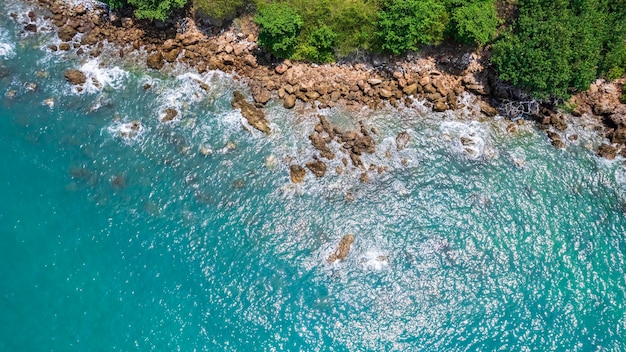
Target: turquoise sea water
point(109, 243)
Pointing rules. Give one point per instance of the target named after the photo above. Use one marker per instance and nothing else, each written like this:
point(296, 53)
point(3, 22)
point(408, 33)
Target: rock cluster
point(343, 249)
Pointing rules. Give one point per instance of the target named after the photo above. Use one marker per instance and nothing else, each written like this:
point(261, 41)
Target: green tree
point(354, 22)
point(115, 4)
point(155, 9)
point(279, 27)
point(406, 24)
point(475, 22)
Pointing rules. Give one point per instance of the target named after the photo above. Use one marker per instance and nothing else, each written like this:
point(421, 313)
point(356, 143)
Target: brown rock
point(556, 141)
point(261, 96)
point(364, 177)
point(619, 136)
point(296, 173)
point(66, 33)
point(607, 151)
point(254, 116)
point(488, 109)
point(280, 69)
point(170, 56)
point(374, 81)
point(228, 60)
point(558, 122)
point(64, 46)
point(343, 249)
point(155, 61)
point(364, 144)
point(384, 93)
point(317, 167)
point(440, 106)
point(170, 114)
point(410, 89)
point(320, 144)
point(290, 101)
point(75, 77)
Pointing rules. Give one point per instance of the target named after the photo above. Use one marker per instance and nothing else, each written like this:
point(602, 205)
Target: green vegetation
point(279, 27)
point(406, 24)
point(557, 46)
point(474, 22)
point(218, 9)
point(149, 9)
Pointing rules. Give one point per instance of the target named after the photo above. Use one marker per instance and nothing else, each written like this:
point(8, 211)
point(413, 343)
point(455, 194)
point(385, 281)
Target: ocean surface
point(189, 236)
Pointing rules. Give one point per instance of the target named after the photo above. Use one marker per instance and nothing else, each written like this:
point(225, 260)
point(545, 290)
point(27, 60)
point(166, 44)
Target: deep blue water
point(108, 243)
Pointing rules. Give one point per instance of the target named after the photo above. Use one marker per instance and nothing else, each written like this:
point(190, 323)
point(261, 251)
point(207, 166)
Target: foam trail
point(99, 78)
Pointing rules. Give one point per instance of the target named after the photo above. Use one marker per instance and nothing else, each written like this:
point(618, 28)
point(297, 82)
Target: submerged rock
point(75, 77)
point(343, 249)
point(402, 140)
point(254, 116)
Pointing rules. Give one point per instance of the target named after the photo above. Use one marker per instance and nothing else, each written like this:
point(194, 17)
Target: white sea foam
point(101, 77)
point(374, 260)
point(7, 48)
point(130, 132)
point(469, 138)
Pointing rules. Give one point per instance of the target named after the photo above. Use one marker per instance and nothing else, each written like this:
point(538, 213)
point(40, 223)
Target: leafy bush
point(279, 28)
point(155, 9)
point(319, 46)
point(406, 24)
point(218, 9)
point(475, 22)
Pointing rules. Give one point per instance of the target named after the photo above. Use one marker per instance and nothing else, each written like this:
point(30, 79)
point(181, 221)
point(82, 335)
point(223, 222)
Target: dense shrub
point(355, 24)
point(475, 22)
point(279, 27)
point(318, 47)
point(218, 9)
point(406, 24)
point(155, 9)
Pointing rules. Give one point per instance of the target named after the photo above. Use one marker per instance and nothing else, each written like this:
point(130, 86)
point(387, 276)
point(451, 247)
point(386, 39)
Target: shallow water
point(143, 243)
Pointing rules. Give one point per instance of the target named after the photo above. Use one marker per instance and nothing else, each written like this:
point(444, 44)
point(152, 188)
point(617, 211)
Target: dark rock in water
point(558, 122)
point(364, 144)
point(297, 173)
point(170, 56)
point(556, 140)
point(31, 27)
point(607, 151)
point(75, 77)
point(67, 32)
point(343, 249)
point(364, 178)
point(64, 46)
point(440, 106)
point(318, 167)
point(170, 114)
point(254, 116)
point(402, 140)
point(155, 61)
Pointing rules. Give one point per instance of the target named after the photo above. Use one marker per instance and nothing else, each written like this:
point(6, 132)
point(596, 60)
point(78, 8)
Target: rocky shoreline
point(438, 78)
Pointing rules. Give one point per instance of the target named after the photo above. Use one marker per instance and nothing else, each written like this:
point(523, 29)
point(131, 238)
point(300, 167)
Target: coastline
point(437, 76)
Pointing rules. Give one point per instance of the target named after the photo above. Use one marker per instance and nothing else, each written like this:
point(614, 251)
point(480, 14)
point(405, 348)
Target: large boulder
point(402, 140)
point(67, 33)
point(75, 77)
point(254, 116)
point(155, 61)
